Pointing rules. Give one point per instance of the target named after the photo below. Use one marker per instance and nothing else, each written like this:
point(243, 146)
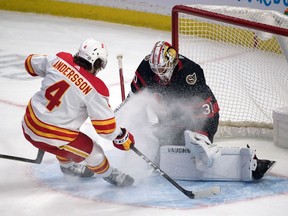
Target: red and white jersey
point(68, 96)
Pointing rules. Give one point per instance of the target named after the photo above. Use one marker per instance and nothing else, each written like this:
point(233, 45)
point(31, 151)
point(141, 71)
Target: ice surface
point(29, 190)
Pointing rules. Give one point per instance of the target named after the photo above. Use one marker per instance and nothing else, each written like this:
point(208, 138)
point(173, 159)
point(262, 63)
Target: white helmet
point(91, 50)
point(163, 60)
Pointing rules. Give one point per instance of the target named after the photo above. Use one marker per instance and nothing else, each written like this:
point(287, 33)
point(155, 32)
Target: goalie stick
point(38, 159)
point(119, 57)
point(192, 195)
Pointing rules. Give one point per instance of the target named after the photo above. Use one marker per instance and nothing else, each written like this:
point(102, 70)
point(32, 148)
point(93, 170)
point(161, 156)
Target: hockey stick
point(192, 195)
point(119, 57)
point(38, 159)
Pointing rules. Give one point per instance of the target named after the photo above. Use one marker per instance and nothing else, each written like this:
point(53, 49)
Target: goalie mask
point(95, 53)
point(163, 60)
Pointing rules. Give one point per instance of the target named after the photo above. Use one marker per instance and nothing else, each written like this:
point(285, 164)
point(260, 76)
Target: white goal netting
point(243, 54)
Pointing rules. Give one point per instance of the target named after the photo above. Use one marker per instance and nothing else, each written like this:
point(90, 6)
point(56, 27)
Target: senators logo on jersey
point(191, 79)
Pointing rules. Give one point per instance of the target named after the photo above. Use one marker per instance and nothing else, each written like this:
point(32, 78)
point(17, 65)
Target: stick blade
point(207, 192)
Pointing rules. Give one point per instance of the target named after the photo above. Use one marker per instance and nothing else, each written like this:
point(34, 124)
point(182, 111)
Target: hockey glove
point(124, 140)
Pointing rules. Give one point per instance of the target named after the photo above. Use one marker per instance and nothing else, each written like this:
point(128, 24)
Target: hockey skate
point(75, 169)
point(202, 149)
point(119, 178)
point(263, 166)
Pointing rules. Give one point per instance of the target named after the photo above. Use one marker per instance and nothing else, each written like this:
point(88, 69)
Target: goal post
point(243, 53)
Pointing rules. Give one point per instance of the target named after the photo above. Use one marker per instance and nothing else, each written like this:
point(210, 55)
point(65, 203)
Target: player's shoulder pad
point(144, 69)
point(64, 55)
point(97, 83)
point(189, 64)
point(100, 86)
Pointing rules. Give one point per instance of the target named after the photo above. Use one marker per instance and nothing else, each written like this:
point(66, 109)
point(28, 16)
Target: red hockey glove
point(124, 140)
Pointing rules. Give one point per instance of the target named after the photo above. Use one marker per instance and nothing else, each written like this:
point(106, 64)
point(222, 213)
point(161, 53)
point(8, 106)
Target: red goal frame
point(218, 17)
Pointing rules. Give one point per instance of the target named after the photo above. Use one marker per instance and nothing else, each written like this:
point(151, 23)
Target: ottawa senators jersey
point(187, 88)
point(68, 96)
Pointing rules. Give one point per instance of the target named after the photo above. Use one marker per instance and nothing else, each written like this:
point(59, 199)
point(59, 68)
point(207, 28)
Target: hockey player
point(70, 93)
point(186, 104)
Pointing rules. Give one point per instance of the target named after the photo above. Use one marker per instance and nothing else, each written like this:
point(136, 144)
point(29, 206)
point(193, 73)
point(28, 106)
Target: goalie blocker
point(233, 164)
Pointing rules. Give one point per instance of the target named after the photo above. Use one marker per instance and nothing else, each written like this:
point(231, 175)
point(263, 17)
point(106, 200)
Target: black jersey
point(187, 88)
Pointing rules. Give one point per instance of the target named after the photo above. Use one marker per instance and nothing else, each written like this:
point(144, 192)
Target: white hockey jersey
point(68, 96)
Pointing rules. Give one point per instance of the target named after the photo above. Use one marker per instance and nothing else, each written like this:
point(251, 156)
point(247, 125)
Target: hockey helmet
point(163, 60)
point(94, 52)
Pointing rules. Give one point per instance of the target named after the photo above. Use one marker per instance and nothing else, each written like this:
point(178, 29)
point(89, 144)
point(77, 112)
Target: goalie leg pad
point(234, 164)
point(248, 163)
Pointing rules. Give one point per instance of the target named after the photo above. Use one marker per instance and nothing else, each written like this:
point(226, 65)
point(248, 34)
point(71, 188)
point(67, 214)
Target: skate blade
point(271, 165)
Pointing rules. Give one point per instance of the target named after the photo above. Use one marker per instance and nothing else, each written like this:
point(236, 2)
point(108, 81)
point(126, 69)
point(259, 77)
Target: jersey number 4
point(54, 93)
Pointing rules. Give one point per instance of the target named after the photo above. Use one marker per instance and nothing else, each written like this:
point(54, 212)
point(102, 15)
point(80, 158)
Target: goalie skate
point(78, 170)
point(263, 166)
point(119, 178)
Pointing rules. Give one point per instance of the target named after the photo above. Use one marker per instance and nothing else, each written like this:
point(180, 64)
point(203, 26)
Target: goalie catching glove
point(124, 140)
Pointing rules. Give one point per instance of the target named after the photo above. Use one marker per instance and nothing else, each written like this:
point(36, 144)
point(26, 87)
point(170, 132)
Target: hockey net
point(243, 53)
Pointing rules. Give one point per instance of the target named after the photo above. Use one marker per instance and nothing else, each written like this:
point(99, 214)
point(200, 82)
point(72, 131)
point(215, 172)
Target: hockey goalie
point(169, 93)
